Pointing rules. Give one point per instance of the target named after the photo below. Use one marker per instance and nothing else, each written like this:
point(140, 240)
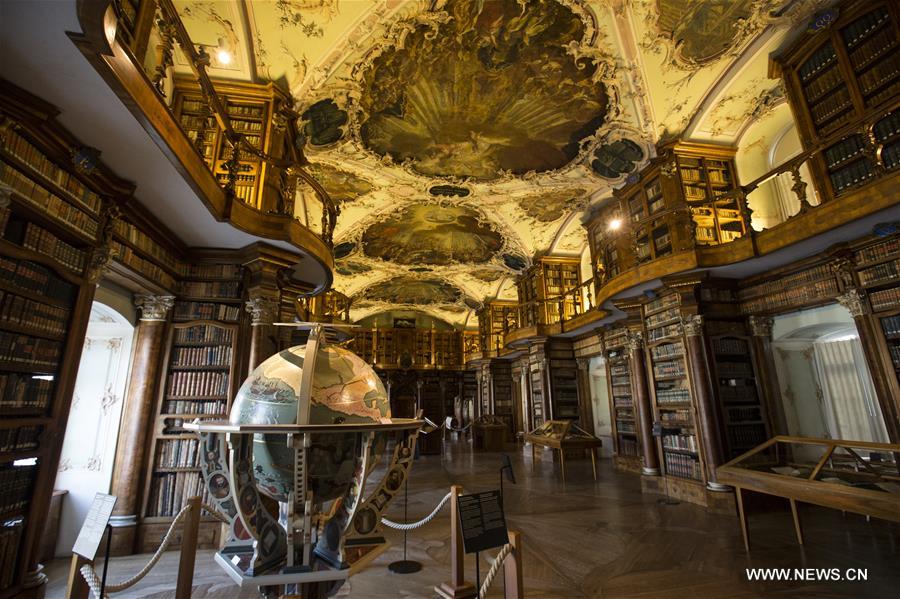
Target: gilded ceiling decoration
point(463, 137)
point(412, 291)
point(432, 234)
point(492, 89)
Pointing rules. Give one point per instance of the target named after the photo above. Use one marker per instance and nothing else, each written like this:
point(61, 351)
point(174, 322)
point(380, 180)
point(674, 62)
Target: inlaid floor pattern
point(587, 539)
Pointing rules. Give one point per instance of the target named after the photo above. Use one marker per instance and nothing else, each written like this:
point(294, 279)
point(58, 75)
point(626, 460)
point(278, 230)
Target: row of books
point(15, 486)
point(854, 173)
point(44, 242)
point(887, 127)
point(21, 438)
point(895, 355)
point(672, 395)
point(791, 297)
point(734, 370)
point(671, 330)
point(887, 271)
point(742, 413)
point(693, 193)
point(682, 442)
point(668, 369)
point(730, 346)
point(846, 148)
point(10, 536)
point(34, 158)
point(146, 244)
point(624, 427)
point(197, 384)
point(24, 391)
point(203, 334)
point(169, 491)
point(191, 121)
point(857, 31)
point(621, 381)
point(665, 301)
point(38, 316)
point(36, 278)
point(821, 58)
point(216, 406)
point(628, 447)
point(667, 350)
point(673, 313)
point(891, 326)
point(737, 393)
point(682, 465)
point(29, 352)
point(880, 73)
point(246, 126)
point(224, 289)
point(178, 453)
point(809, 275)
point(52, 205)
point(206, 311)
point(245, 110)
point(872, 49)
point(679, 416)
point(212, 271)
point(746, 435)
point(831, 105)
point(127, 256)
point(213, 355)
point(818, 87)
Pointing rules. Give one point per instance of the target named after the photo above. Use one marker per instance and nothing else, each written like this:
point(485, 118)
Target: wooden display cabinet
point(253, 109)
point(843, 83)
point(625, 429)
point(878, 269)
point(542, 288)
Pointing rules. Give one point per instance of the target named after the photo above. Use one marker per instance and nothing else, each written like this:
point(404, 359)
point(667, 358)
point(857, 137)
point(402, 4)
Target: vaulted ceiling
point(463, 137)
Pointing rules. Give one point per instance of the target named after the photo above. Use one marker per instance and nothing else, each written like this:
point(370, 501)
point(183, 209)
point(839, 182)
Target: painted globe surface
point(344, 390)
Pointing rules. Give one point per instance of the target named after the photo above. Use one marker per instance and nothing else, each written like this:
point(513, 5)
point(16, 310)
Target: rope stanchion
point(93, 581)
point(422, 522)
point(495, 567)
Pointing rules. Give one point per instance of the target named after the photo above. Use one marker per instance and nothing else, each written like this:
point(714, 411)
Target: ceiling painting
point(492, 90)
point(432, 234)
point(411, 291)
point(461, 138)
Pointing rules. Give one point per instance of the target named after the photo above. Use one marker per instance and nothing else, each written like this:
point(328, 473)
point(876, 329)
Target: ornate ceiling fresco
point(461, 138)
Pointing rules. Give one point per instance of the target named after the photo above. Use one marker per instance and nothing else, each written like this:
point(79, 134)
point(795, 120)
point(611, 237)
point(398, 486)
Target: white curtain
point(849, 402)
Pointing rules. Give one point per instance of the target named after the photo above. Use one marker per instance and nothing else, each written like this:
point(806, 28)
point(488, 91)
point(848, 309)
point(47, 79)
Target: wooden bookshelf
point(681, 453)
point(495, 319)
point(252, 108)
point(625, 429)
point(48, 234)
point(844, 80)
point(200, 379)
point(541, 288)
point(878, 267)
point(426, 349)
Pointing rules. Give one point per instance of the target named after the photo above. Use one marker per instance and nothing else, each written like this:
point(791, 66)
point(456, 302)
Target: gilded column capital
point(855, 301)
point(262, 310)
point(692, 325)
point(761, 326)
point(583, 363)
point(154, 308)
point(634, 340)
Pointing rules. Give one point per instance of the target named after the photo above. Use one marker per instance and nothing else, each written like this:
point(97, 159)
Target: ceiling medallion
point(488, 89)
point(405, 290)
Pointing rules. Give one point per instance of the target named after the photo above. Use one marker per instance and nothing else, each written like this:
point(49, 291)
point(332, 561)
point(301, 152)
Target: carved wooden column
point(701, 381)
point(585, 397)
point(641, 391)
point(263, 311)
point(137, 418)
point(767, 376)
point(880, 366)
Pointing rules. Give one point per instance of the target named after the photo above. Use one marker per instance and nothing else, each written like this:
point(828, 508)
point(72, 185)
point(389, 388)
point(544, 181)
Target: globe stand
point(405, 566)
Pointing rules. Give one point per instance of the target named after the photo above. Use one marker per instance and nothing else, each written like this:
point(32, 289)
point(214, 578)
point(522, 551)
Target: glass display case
point(852, 476)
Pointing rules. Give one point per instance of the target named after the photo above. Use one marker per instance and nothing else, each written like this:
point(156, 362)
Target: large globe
point(344, 390)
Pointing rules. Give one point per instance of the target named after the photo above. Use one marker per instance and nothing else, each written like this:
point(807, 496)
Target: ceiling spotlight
point(615, 224)
point(223, 56)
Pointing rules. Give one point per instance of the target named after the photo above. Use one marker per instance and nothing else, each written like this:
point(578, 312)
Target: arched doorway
point(89, 447)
